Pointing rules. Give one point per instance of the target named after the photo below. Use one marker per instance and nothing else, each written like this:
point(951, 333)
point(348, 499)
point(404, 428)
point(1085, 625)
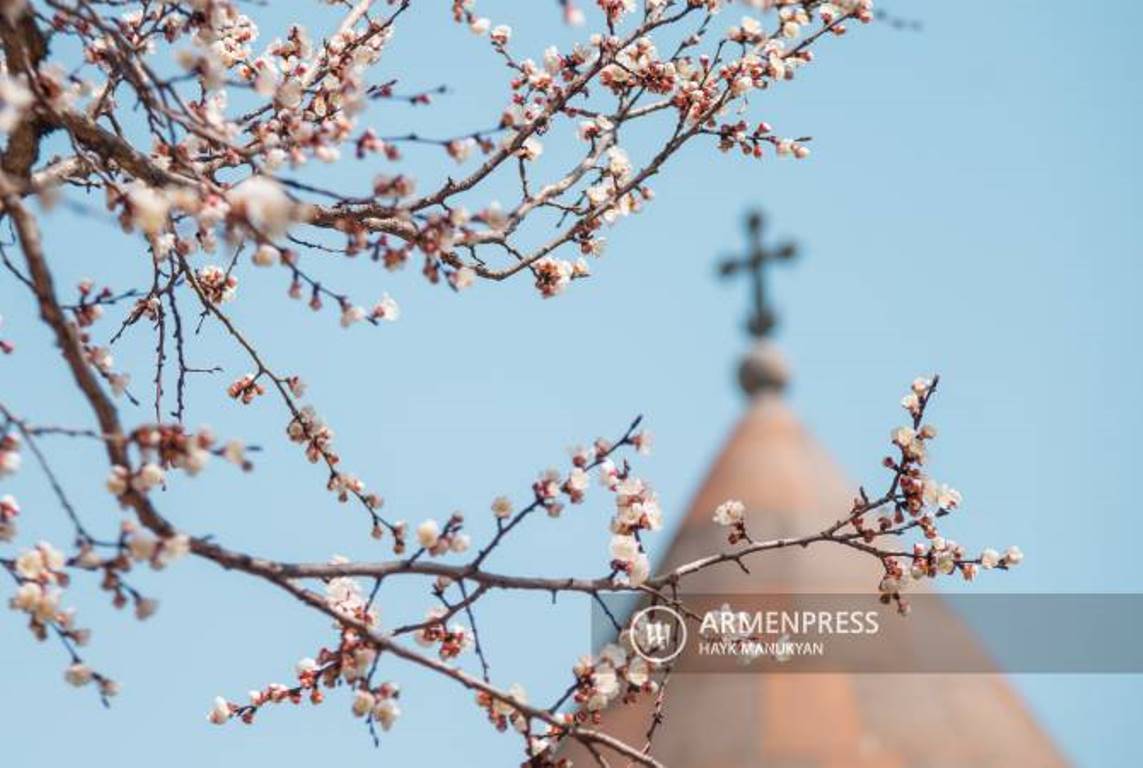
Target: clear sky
point(971, 207)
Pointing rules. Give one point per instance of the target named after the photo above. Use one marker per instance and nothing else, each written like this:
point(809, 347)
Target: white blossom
point(173, 548)
point(387, 309)
point(363, 702)
point(638, 673)
point(142, 546)
point(428, 533)
point(464, 278)
point(78, 674)
point(640, 570)
point(624, 547)
point(502, 507)
point(501, 34)
point(264, 204)
point(531, 148)
point(220, 712)
point(117, 481)
point(149, 207)
point(148, 477)
point(386, 712)
point(40, 562)
point(265, 255)
point(351, 314)
point(145, 608)
point(730, 512)
point(39, 601)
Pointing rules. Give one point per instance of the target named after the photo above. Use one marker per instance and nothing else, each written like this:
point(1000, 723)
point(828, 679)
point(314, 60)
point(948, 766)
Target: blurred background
point(971, 207)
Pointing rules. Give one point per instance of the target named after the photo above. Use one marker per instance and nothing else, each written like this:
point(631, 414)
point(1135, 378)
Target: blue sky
point(971, 207)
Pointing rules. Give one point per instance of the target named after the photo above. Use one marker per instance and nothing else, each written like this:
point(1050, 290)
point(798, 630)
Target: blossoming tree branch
point(193, 128)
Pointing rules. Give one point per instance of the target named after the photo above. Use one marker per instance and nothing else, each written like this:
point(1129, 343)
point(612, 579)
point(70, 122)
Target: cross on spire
point(763, 319)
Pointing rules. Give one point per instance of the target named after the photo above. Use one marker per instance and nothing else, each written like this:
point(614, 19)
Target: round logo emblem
point(658, 633)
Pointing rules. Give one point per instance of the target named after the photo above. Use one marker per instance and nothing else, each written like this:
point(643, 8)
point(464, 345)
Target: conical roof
point(791, 487)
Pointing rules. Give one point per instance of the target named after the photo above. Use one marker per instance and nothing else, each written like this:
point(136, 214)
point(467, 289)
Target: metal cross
point(763, 319)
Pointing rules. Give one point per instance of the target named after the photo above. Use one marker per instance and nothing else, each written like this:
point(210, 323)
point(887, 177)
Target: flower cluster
point(547, 490)
point(309, 99)
point(40, 599)
point(217, 285)
point(629, 559)
point(615, 195)
point(308, 429)
point(613, 676)
point(158, 552)
point(732, 514)
point(246, 388)
point(316, 91)
point(380, 704)
point(990, 558)
point(131, 547)
point(101, 359)
point(169, 446)
point(916, 500)
point(553, 275)
point(751, 142)
point(172, 446)
point(256, 207)
point(352, 663)
point(941, 557)
point(141, 480)
point(39, 573)
point(344, 595)
point(502, 714)
point(212, 174)
point(79, 675)
point(636, 510)
point(450, 640)
point(43, 564)
point(89, 308)
point(438, 541)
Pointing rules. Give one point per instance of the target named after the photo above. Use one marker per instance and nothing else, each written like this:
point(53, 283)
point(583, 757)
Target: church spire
point(763, 319)
point(791, 485)
point(763, 369)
